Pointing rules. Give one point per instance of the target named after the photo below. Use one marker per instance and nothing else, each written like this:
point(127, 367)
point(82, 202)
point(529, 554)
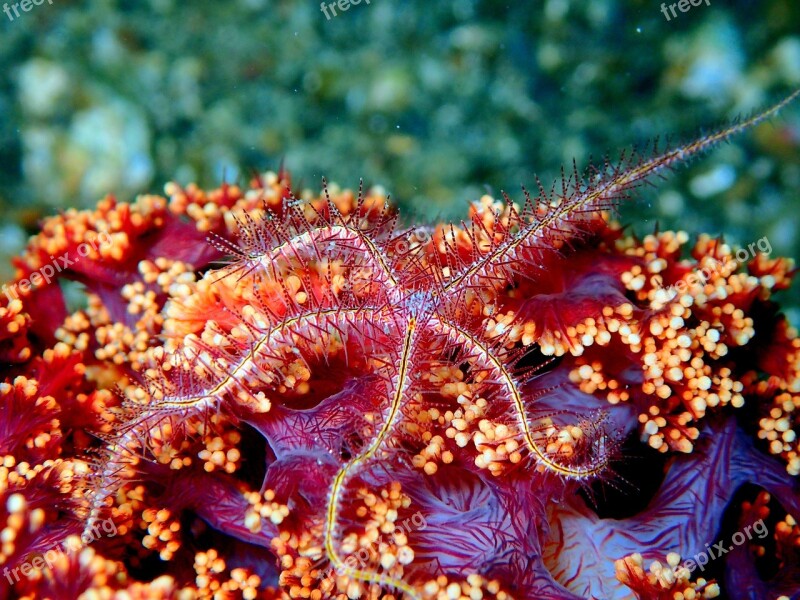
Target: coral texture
point(324, 404)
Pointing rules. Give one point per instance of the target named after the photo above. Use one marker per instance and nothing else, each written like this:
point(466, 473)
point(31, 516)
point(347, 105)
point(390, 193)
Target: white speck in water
point(719, 179)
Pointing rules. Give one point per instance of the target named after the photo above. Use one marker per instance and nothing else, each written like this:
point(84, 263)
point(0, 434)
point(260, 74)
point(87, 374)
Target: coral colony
point(321, 403)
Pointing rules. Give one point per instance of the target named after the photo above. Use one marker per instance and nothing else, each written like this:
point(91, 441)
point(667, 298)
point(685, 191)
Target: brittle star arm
point(402, 382)
point(510, 389)
point(259, 363)
point(556, 218)
point(316, 243)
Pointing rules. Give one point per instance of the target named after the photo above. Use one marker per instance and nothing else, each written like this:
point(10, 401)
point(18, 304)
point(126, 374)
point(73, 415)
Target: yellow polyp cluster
point(207, 565)
point(668, 432)
point(13, 318)
point(296, 378)
point(558, 340)
point(788, 531)
point(294, 288)
point(174, 454)
point(101, 579)
point(656, 252)
point(111, 222)
point(258, 402)
point(500, 442)
point(382, 509)
point(562, 441)
point(221, 452)
point(213, 209)
point(13, 474)
point(172, 276)
point(263, 506)
point(497, 443)
point(101, 574)
point(245, 582)
point(212, 581)
point(75, 331)
point(369, 560)
point(779, 428)
point(779, 393)
point(785, 537)
point(506, 325)
point(432, 453)
point(24, 520)
point(675, 370)
point(19, 521)
point(380, 514)
point(8, 475)
point(130, 501)
point(14, 322)
point(163, 532)
point(498, 446)
point(474, 587)
point(303, 580)
point(171, 442)
point(713, 276)
point(683, 342)
point(466, 418)
point(589, 332)
point(738, 327)
point(449, 380)
point(302, 567)
point(24, 388)
point(205, 209)
point(116, 342)
point(663, 581)
point(26, 393)
point(142, 301)
point(787, 541)
point(773, 273)
point(591, 379)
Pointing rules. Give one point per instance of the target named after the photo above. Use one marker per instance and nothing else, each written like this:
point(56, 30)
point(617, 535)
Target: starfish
point(420, 373)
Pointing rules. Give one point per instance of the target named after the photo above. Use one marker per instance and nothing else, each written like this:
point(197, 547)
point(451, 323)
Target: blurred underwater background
point(438, 102)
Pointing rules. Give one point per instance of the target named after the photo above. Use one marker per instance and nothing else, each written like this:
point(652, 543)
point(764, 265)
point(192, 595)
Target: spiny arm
point(550, 220)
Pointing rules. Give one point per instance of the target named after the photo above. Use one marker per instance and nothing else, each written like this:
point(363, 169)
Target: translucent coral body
point(530, 405)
